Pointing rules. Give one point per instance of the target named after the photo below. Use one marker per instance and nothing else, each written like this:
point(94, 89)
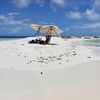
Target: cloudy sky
point(74, 17)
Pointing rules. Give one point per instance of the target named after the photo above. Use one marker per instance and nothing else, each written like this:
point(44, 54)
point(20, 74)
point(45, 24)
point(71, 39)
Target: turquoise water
point(7, 39)
point(91, 42)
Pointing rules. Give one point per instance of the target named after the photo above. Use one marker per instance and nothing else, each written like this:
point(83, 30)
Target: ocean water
point(94, 45)
point(7, 39)
point(93, 42)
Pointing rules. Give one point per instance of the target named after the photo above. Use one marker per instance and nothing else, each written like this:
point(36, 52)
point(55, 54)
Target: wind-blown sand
point(48, 72)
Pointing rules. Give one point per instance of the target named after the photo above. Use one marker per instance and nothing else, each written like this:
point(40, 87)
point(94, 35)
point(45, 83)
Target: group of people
point(40, 41)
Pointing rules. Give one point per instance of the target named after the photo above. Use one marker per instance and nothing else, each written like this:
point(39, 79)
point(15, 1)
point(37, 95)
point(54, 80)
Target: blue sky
point(74, 17)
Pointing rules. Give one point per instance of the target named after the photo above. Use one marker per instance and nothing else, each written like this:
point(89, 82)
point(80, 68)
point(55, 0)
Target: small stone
point(46, 62)
point(49, 57)
point(41, 73)
point(58, 58)
point(60, 55)
point(46, 59)
point(75, 54)
point(39, 61)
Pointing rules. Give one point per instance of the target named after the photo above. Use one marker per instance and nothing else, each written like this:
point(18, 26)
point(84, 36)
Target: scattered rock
point(30, 61)
point(39, 61)
point(51, 60)
point(41, 57)
point(42, 61)
point(27, 62)
point(46, 62)
point(46, 59)
point(50, 57)
point(58, 58)
point(54, 56)
point(24, 56)
point(89, 57)
point(74, 54)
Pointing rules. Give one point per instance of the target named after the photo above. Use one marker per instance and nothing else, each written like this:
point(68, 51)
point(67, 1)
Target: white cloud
point(60, 3)
point(16, 29)
point(2, 17)
point(13, 13)
point(26, 3)
point(9, 23)
point(21, 3)
point(9, 19)
point(88, 26)
point(57, 3)
point(74, 15)
point(89, 14)
point(96, 4)
point(92, 15)
point(39, 2)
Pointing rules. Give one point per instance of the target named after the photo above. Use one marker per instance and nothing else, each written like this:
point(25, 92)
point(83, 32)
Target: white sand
point(70, 71)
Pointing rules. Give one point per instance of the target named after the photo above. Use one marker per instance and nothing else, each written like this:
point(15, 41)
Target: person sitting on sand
point(48, 37)
point(39, 41)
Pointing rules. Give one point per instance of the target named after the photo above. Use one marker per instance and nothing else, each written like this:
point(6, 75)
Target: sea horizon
point(11, 36)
